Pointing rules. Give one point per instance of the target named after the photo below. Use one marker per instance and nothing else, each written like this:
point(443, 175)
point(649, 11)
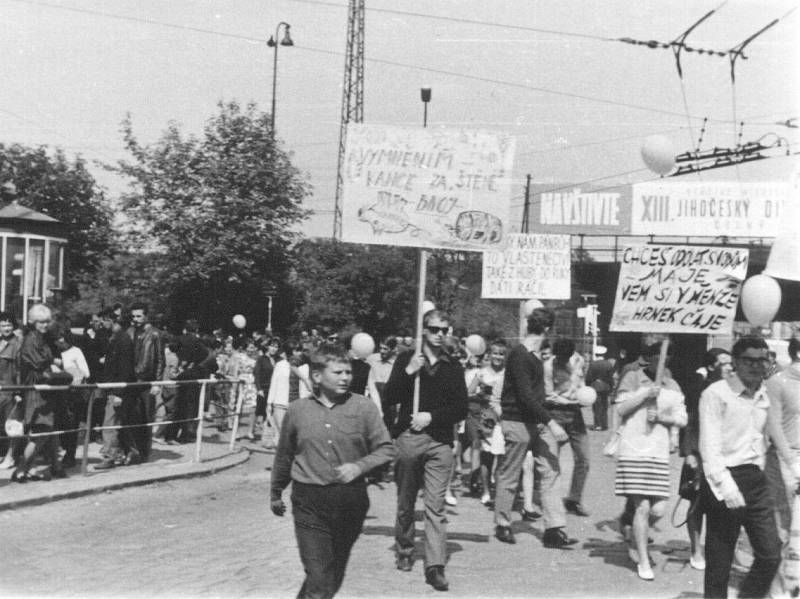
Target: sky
point(551, 72)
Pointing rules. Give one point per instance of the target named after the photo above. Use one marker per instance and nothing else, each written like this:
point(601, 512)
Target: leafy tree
point(50, 183)
point(341, 284)
point(219, 209)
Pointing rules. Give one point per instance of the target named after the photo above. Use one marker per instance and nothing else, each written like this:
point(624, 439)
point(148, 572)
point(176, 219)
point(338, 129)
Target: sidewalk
point(167, 462)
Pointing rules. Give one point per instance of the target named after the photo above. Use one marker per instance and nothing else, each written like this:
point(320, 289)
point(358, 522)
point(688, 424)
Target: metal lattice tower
point(352, 96)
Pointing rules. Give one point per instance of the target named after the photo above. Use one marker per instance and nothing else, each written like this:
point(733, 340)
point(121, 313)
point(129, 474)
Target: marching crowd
point(342, 419)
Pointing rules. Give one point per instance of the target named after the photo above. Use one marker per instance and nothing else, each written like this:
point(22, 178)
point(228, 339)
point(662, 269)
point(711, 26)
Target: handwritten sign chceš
point(529, 265)
point(426, 187)
point(678, 289)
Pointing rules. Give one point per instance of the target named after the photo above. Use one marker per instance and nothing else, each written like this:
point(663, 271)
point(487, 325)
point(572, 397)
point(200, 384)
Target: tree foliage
point(341, 284)
point(50, 183)
point(219, 208)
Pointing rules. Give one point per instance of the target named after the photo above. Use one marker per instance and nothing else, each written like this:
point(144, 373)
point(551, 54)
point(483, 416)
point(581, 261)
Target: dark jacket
point(262, 374)
point(148, 352)
point(442, 392)
point(118, 367)
point(523, 388)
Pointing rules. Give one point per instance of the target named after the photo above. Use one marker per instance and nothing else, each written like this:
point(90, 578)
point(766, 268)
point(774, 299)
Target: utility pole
point(352, 97)
point(524, 228)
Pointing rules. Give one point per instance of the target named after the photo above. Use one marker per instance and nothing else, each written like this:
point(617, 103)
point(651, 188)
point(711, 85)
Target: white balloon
point(239, 321)
point(761, 298)
point(658, 154)
point(427, 306)
point(362, 345)
point(475, 345)
point(586, 396)
point(531, 305)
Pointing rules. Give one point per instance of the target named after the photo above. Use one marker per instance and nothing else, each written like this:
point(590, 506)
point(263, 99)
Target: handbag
point(611, 447)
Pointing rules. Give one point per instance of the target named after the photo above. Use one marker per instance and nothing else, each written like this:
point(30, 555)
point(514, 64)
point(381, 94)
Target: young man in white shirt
point(735, 422)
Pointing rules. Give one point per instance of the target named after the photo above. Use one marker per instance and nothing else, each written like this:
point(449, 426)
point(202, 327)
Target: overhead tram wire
point(372, 60)
point(465, 21)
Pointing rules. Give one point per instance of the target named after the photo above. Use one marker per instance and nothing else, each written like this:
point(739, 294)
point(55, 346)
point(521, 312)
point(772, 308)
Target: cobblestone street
point(215, 537)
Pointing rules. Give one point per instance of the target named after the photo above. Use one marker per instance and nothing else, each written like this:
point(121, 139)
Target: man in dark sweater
point(424, 441)
point(527, 425)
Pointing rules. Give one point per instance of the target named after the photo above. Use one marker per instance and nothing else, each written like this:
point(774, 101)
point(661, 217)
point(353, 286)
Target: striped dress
point(643, 455)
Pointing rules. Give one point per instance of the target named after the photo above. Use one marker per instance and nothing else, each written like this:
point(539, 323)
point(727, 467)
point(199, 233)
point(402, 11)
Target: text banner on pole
point(678, 289)
point(426, 187)
point(528, 265)
point(708, 208)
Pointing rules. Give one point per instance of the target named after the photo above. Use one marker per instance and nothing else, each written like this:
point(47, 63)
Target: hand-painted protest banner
point(576, 209)
point(678, 289)
point(528, 266)
point(708, 208)
point(426, 187)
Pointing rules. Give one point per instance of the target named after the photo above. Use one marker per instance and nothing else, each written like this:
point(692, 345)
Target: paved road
point(215, 537)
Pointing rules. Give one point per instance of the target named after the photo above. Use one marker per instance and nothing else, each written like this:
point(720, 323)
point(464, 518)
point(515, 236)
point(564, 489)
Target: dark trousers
point(187, 399)
point(600, 410)
point(327, 522)
point(427, 463)
point(70, 416)
point(722, 531)
point(143, 412)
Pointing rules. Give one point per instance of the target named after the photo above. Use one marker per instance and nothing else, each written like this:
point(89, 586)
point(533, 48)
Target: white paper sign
point(426, 187)
point(535, 265)
point(708, 209)
point(678, 289)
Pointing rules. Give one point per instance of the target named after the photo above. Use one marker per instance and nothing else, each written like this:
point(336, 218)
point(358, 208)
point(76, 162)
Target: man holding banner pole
point(424, 441)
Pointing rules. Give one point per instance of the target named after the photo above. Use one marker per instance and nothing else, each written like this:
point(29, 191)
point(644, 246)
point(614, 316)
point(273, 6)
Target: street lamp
point(425, 95)
point(272, 43)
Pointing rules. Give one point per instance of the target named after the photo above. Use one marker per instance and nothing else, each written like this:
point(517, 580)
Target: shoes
point(556, 538)
point(434, 576)
point(504, 534)
point(450, 499)
point(530, 516)
point(159, 441)
point(697, 564)
point(68, 461)
point(133, 457)
point(645, 572)
point(486, 500)
point(600, 428)
point(574, 507)
point(173, 442)
point(105, 465)
point(19, 476)
point(404, 563)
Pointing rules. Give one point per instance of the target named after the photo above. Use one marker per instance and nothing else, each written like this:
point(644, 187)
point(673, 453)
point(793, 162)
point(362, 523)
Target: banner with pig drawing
point(426, 187)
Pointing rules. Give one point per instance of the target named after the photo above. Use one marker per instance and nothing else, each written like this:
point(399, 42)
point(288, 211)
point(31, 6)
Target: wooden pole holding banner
point(422, 275)
point(662, 364)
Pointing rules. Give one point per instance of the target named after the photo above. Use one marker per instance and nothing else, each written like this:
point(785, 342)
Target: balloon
point(427, 306)
point(586, 396)
point(362, 345)
point(761, 298)
point(239, 321)
point(475, 345)
point(531, 305)
point(658, 154)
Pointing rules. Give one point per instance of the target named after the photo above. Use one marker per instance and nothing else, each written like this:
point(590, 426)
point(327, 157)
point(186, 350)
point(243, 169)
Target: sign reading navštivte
point(579, 209)
point(528, 266)
point(426, 187)
point(678, 289)
point(708, 209)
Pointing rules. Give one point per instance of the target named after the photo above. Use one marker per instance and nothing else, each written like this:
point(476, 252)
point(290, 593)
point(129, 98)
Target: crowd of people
point(508, 410)
point(487, 423)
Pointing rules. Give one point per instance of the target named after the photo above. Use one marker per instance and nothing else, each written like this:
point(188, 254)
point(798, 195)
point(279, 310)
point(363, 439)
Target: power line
point(372, 60)
point(467, 21)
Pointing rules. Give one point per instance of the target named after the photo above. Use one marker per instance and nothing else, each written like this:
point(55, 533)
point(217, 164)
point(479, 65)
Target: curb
point(192, 470)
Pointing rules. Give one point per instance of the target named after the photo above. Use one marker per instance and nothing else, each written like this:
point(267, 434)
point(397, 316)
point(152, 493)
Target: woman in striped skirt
point(650, 416)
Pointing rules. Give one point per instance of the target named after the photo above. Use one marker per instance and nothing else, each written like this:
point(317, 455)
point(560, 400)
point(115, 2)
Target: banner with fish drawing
point(678, 289)
point(426, 187)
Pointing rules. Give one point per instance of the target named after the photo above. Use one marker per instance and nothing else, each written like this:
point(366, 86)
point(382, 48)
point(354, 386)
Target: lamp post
point(273, 43)
point(425, 95)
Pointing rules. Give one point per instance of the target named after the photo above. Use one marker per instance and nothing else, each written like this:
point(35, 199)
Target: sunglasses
point(437, 330)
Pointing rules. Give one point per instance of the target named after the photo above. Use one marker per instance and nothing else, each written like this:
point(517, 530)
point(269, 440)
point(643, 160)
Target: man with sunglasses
point(424, 441)
point(736, 419)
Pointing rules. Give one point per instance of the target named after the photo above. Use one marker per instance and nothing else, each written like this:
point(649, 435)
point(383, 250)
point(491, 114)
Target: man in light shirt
point(735, 421)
